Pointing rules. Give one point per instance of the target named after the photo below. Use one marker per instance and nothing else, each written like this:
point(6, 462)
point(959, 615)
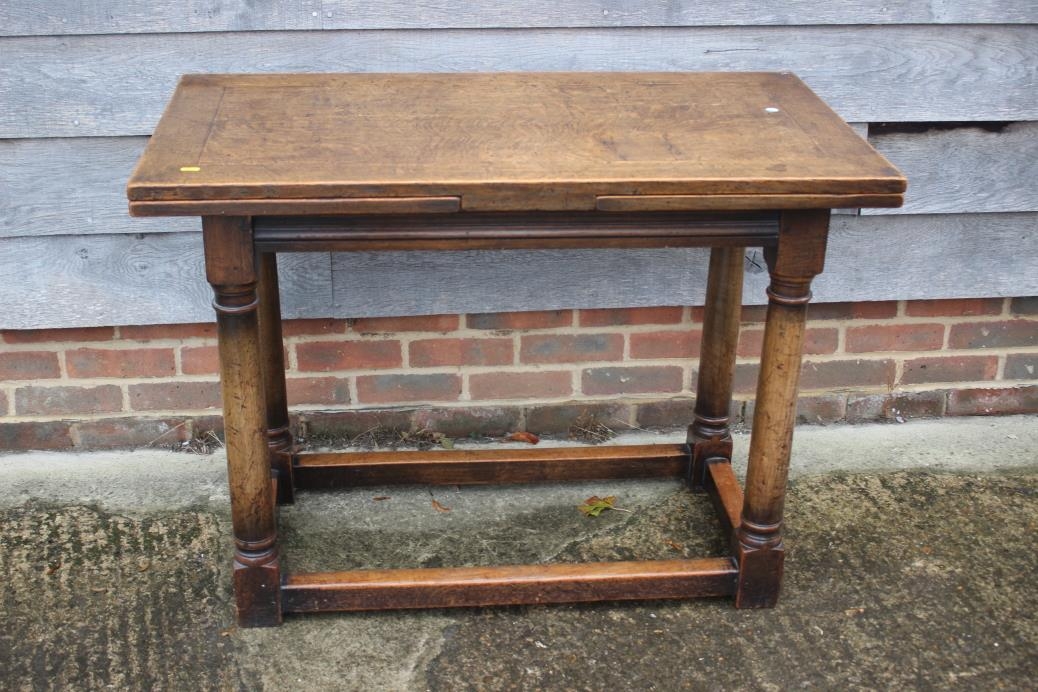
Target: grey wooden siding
point(83, 83)
point(91, 86)
point(65, 17)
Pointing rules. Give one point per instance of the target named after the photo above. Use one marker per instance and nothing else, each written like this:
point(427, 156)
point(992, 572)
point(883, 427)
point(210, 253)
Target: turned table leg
point(272, 358)
point(709, 436)
point(798, 257)
point(231, 270)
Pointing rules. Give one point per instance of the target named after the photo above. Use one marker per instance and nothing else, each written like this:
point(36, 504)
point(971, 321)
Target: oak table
point(296, 163)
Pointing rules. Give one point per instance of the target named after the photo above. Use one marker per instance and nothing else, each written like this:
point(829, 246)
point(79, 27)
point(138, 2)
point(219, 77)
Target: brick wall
point(114, 386)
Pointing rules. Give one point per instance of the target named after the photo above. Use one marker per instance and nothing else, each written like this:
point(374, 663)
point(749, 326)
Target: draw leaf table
point(295, 163)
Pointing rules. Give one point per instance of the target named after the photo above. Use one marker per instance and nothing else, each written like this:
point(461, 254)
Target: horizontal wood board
point(65, 17)
point(66, 281)
point(119, 84)
point(966, 169)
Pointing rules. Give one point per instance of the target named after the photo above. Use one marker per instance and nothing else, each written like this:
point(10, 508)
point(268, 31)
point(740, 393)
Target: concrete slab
point(910, 564)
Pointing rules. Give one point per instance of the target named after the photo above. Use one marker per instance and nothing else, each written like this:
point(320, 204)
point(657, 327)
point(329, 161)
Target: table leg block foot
point(760, 577)
point(258, 592)
point(705, 450)
point(281, 461)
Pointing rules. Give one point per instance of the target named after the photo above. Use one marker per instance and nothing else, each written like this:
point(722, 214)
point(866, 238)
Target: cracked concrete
point(910, 564)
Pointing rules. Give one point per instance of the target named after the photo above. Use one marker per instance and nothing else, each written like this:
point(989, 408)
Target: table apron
point(497, 231)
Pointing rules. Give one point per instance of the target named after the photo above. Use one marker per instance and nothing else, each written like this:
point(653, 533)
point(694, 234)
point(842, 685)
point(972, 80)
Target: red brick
point(823, 410)
point(632, 380)
point(949, 369)
point(34, 435)
point(426, 353)
point(423, 323)
point(75, 334)
point(203, 360)
point(666, 414)
point(200, 360)
point(388, 389)
point(317, 390)
point(570, 348)
point(839, 374)
point(174, 396)
point(872, 310)
point(611, 317)
point(1024, 306)
point(904, 405)
point(846, 373)
point(520, 320)
point(958, 307)
point(149, 332)
point(137, 362)
point(29, 365)
point(674, 344)
point(112, 433)
point(353, 423)
point(58, 401)
point(463, 422)
point(895, 337)
point(313, 327)
point(1022, 366)
point(559, 418)
point(521, 385)
point(751, 314)
point(3, 404)
point(817, 341)
point(994, 334)
point(744, 380)
point(993, 402)
point(325, 356)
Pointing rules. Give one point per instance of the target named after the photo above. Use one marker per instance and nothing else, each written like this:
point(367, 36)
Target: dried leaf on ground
point(674, 545)
point(595, 505)
point(438, 507)
point(380, 498)
point(527, 437)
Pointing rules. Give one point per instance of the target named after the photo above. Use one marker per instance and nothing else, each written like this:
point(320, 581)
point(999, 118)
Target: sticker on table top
point(190, 169)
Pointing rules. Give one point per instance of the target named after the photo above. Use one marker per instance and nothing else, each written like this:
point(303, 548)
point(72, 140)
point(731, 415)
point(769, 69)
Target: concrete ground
point(911, 564)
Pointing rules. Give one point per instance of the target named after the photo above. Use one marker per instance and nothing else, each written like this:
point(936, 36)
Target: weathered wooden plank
point(966, 169)
point(118, 84)
point(927, 256)
point(72, 186)
point(90, 280)
point(870, 258)
point(122, 279)
point(65, 17)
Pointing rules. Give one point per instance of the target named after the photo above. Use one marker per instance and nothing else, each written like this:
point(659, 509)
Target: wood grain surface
point(33, 173)
point(118, 84)
point(65, 17)
point(442, 587)
point(477, 467)
point(507, 141)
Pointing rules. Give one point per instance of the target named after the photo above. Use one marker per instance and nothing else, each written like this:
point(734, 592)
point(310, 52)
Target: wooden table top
point(362, 143)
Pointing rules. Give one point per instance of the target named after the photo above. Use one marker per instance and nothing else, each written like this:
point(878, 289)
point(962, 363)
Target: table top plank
point(505, 141)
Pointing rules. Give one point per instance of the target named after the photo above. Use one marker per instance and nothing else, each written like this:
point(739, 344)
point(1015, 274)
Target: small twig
point(175, 427)
point(632, 426)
